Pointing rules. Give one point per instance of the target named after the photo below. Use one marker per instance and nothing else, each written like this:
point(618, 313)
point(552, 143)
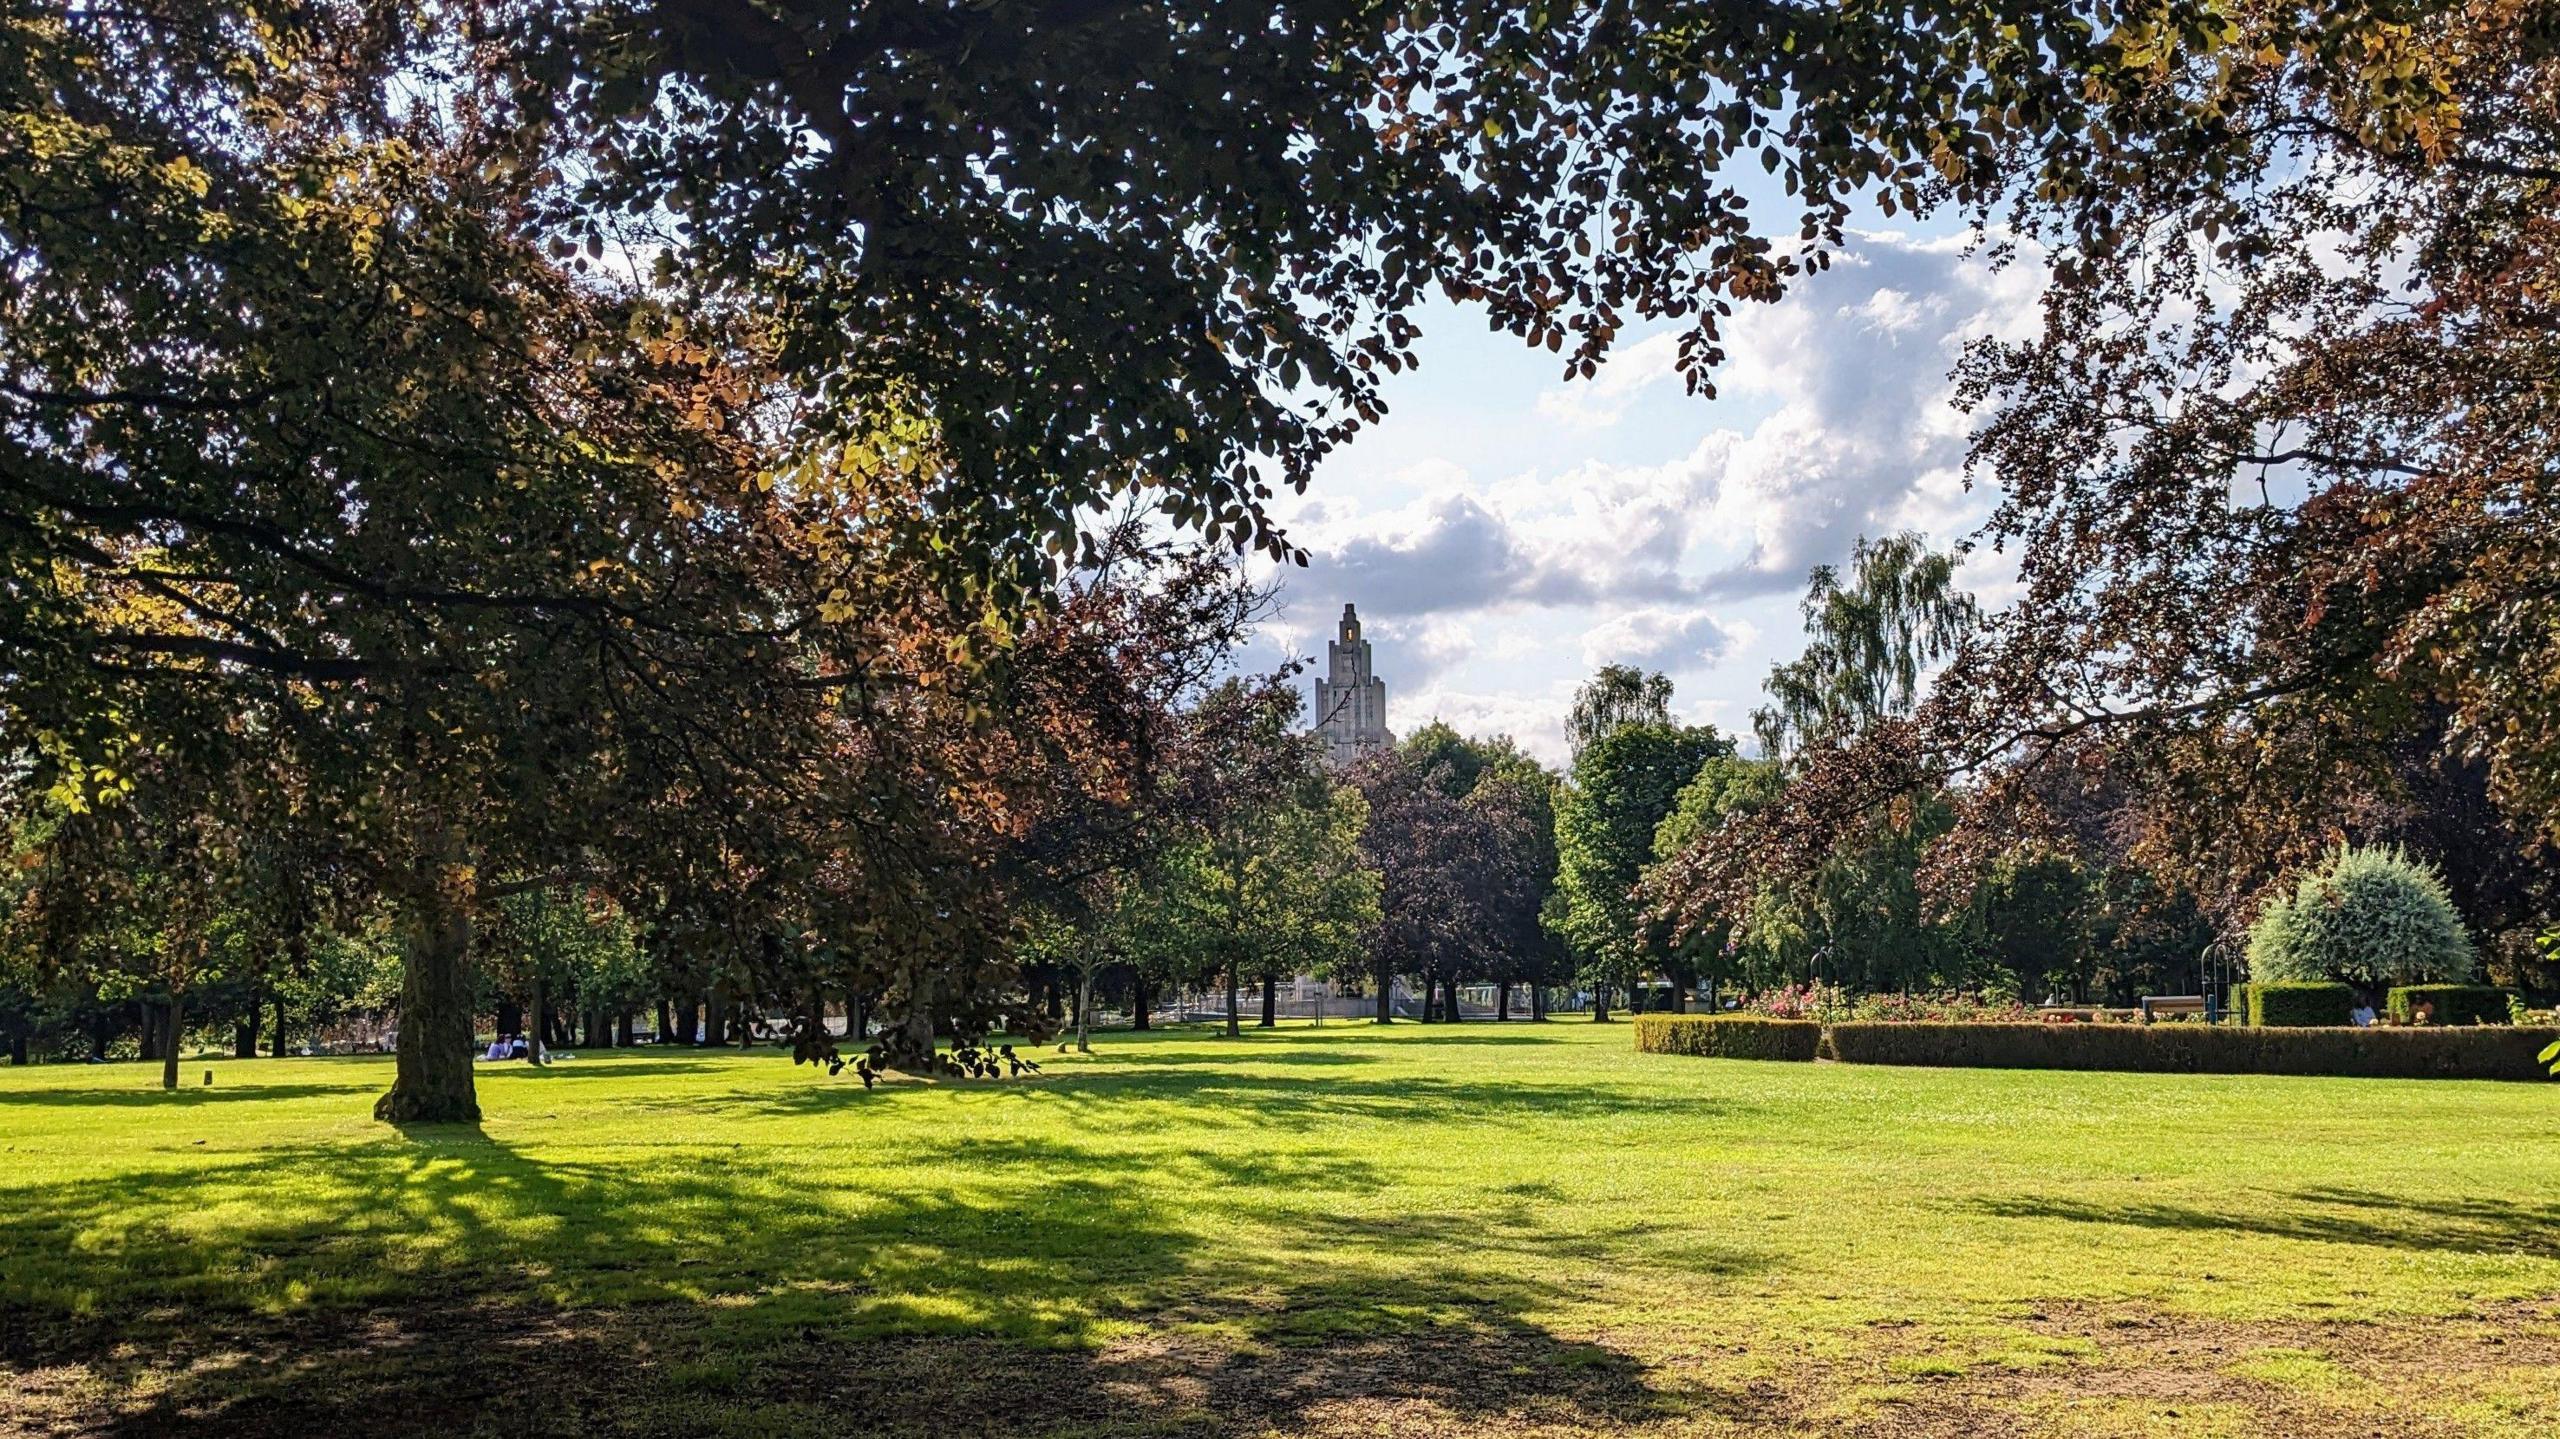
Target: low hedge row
point(2450, 1003)
point(2298, 1004)
point(2432, 1052)
point(1727, 1036)
point(2502, 1052)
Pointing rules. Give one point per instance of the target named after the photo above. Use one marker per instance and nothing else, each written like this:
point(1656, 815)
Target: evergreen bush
point(2371, 917)
point(2300, 1004)
point(2450, 1004)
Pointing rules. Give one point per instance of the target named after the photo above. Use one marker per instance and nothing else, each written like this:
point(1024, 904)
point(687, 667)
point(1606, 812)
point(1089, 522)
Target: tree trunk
point(244, 1035)
point(666, 1021)
point(915, 1036)
point(151, 1028)
point(279, 1039)
point(1537, 1004)
point(1084, 1009)
point(1234, 993)
point(715, 1021)
point(622, 1030)
point(1386, 994)
point(1138, 1006)
point(1453, 1011)
point(1599, 1004)
point(1679, 997)
point(432, 1083)
point(169, 1047)
point(1502, 1002)
point(539, 1023)
point(1270, 1001)
point(18, 1047)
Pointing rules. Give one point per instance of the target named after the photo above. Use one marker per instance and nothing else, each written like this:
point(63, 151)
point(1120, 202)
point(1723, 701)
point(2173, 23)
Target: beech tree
point(2278, 470)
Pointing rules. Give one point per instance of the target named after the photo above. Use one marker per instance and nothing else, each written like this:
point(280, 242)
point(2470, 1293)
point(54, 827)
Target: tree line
point(663, 457)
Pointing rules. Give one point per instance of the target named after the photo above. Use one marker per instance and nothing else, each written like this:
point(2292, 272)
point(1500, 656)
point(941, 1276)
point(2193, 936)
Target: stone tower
point(1351, 702)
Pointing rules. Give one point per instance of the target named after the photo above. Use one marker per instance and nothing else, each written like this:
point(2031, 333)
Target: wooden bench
point(2155, 1006)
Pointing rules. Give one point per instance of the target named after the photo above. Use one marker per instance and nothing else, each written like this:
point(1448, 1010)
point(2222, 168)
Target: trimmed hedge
point(2505, 1052)
point(2301, 1004)
point(1727, 1036)
point(2454, 1003)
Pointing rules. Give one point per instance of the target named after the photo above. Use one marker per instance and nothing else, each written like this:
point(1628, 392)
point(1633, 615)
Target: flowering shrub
point(1938, 1009)
point(1830, 1004)
point(1827, 1003)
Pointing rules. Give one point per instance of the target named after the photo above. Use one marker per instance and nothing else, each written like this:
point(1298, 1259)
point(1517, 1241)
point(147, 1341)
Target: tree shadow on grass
point(1209, 1092)
point(183, 1097)
point(2329, 1216)
point(442, 1282)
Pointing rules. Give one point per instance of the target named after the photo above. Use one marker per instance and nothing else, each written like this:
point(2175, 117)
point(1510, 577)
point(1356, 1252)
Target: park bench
point(2155, 1006)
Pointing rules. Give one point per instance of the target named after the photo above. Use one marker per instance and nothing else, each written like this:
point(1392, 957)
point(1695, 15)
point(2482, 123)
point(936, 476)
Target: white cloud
point(1492, 585)
point(1674, 641)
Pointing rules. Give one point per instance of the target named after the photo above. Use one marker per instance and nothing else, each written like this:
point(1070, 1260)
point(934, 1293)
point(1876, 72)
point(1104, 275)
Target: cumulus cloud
point(1658, 639)
point(1837, 422)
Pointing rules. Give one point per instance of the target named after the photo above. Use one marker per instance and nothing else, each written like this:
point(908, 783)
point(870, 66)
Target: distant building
point(1351, 701)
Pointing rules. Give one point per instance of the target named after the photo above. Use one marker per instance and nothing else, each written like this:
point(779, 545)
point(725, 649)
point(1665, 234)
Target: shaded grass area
point(1426, 1230)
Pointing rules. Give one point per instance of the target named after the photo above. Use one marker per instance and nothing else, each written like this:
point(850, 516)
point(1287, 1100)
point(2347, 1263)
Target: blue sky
point(1504, 532)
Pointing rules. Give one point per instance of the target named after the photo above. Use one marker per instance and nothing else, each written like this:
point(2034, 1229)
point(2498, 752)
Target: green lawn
point(1427, 1230)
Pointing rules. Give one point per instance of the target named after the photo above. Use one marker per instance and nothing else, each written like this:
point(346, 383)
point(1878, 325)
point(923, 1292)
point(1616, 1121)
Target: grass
point(1338, 1230)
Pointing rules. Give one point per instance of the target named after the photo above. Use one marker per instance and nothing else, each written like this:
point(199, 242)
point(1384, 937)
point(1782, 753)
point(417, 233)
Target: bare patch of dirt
point(454, 1366)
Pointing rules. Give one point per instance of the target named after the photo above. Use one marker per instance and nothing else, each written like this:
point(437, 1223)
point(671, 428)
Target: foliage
point(1466, 866)
point(2284, 515)
point(2299, 1003)
point(2372, 1052)
point(1193, 280)
point(1868, 643)
point(1727, 1036)
point(1623, 785)
point(1616, 695)
point(2368, 916)
point(1279, 889)
point(2450, 1004)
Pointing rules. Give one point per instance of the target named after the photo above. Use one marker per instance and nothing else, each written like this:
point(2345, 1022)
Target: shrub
point(2300, 1004)
point(1727, 1036)
point(2477, 1053)
point(2368, 916)
point(1935, 1009)
point(1801, 1001)
point(2451, 1003)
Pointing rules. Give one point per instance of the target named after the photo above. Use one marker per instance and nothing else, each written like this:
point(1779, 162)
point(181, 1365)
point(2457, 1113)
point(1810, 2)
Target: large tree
point(1623, 785)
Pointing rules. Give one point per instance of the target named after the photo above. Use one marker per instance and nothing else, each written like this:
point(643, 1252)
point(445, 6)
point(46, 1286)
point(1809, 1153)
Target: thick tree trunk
point(1453, 1011)
point(622, 1029)
point(688, 1028)
point(666, 1021)
point(169, 1045)
point(152, 1025)
point(1679, 997)
point(1270, 1001)
point(1138, 1006)
point(540, 1023)
point(1537, 1003)
point(432, 1083)
point(1502, 1001)
point(916, 1033)
point(279, 1039)
point(1386, 994)
point(715, 1021)
point(1599, 1004)
point(244, 1035)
